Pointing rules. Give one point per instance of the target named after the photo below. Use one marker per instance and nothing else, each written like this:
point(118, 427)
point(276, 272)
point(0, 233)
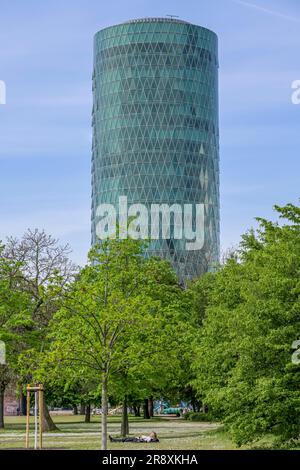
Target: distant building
point(155, 128)
point(11, 401)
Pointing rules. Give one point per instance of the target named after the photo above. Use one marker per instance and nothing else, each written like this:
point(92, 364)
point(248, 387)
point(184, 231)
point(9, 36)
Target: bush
point(199, 416)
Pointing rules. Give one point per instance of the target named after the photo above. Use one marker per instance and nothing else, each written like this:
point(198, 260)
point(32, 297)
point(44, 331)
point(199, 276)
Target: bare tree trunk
point(48, 424)
point(2, 390)
point(151, 411)
point(104, 411)
point(193, 404)
point(146, 409)
point(137, 411)
point(23, 403)
point(75, 410)
point(87, 418)
point(82, 409)
point(125, 421)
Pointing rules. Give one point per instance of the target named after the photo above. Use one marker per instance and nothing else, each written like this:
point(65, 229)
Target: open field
point(75, 434)
point(174, 434)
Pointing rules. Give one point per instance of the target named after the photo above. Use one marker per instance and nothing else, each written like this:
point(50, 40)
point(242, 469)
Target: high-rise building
point(155, 131)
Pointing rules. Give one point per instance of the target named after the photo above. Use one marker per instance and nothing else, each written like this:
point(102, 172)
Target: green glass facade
point(155, 127)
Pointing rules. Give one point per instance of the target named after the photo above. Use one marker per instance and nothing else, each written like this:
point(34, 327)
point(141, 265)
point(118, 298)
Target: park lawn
point(73, 433)
point(174, 434)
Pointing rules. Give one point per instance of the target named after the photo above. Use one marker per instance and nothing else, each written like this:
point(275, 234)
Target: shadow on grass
point(181, 436)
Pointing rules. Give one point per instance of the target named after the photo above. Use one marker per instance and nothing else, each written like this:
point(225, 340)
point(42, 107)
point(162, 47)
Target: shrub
point(199, 416)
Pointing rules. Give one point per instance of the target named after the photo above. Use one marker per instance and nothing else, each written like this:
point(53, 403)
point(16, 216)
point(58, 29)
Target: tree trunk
point(193, 404)
point(75, 410)
point(125, 422)
point(2, 390)
point(48, 424)
point(104, 412)
point(146, 409)
point(87, 418)
point(82, 409)
point(137, 411)
point(23, 404)
point(150, 406)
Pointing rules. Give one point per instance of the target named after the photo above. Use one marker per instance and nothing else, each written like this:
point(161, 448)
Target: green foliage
point(199, 416)
point(243, 363)
point(15, 323)
point(124, 328)
point(123, 313)
point(122, 325)
point(15, 318)
point(103, 311)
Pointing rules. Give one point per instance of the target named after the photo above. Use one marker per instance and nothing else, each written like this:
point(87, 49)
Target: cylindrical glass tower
point(155, 132)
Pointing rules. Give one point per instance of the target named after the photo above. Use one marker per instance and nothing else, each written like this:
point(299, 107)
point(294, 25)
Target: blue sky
point(45, 127)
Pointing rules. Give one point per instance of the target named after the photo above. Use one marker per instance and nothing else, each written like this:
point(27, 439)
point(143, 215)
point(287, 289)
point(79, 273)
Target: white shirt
point(145, 438)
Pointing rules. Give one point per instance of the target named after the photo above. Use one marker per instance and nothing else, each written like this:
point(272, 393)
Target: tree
point(15, 324)
point(40, 264)
point(154, 368)
point(39, 259)
point(103, 313)
point(122, 320)
point(243, 365)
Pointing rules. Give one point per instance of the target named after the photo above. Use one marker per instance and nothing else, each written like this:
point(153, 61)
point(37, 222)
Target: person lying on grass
point(152, 437)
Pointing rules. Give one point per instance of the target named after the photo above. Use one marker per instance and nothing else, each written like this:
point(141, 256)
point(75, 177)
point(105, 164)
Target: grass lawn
point(75, 434)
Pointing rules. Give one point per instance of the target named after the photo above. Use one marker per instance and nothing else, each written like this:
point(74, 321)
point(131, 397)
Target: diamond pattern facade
point(155, 127)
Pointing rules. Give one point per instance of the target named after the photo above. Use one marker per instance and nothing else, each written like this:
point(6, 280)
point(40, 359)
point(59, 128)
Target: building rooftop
point(167, 19)
point(156, 20)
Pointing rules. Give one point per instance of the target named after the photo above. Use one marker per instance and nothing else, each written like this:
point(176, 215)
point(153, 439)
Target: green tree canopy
point(243, 365)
